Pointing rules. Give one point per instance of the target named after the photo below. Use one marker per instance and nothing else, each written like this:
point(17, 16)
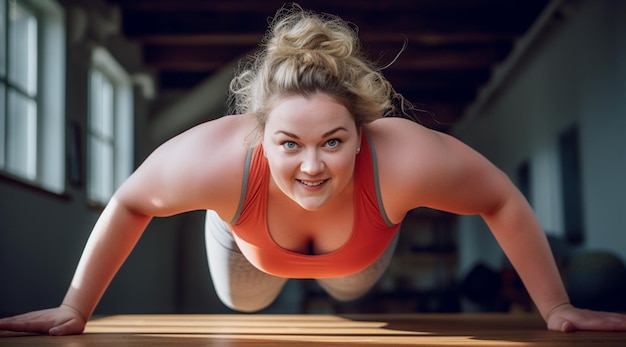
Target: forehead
point(318, 107)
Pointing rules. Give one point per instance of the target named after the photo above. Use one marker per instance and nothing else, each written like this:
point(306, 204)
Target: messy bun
point(303, 53)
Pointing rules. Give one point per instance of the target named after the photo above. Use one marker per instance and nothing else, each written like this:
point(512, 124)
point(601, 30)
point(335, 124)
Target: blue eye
point(332, 143)
point(289, 145)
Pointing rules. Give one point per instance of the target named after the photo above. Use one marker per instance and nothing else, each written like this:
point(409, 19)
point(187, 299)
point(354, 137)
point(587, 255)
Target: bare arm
point(197, 170)
point(109, 244)
point(111, 241)
point(438, 171)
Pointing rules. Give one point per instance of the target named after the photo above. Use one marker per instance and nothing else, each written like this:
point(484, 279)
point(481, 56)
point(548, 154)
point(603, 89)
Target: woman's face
point(311, 144)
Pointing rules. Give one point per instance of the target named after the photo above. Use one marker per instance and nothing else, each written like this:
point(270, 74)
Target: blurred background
point(89, 88)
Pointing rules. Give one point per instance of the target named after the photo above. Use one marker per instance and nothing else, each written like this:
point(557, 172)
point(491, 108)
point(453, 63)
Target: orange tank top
point(371, 234)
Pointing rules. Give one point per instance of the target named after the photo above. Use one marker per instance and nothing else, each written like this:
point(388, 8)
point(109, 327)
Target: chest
point(309, 232)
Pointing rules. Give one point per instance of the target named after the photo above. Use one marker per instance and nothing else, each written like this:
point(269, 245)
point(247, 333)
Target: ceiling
point(452, 45)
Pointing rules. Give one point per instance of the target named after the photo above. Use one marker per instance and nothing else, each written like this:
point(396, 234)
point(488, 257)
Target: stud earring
point(358, 149)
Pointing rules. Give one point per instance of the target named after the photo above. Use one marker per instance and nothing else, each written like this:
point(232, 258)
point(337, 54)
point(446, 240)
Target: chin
point(311, 205)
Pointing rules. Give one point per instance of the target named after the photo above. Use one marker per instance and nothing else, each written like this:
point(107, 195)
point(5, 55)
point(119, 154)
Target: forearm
point(111, 241)
point(521, 237)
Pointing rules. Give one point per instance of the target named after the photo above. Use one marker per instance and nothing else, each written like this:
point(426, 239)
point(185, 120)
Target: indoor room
point(89, 89)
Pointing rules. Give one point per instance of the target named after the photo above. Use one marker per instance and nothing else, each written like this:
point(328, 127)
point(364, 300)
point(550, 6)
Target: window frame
point(123, 125)
point(49, 96)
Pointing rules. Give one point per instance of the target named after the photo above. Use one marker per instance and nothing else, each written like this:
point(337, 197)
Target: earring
point(358, 149)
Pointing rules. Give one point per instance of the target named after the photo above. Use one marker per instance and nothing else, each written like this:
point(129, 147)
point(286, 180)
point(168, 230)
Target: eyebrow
point(328, 133)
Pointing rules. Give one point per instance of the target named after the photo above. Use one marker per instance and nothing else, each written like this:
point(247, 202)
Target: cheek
point(342, 165)
point(281, 167)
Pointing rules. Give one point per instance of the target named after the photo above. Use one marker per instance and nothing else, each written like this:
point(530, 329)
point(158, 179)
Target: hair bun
point(310, 39)
point(305, 52)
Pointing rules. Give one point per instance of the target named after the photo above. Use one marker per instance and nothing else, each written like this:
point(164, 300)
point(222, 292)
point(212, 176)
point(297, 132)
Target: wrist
point(76, 311)
point(557, 308)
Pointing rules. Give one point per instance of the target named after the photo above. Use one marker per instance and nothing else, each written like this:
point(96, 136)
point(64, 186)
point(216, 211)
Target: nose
point(312, 163)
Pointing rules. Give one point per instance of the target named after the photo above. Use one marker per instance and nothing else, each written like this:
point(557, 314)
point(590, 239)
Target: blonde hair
point(304, 53)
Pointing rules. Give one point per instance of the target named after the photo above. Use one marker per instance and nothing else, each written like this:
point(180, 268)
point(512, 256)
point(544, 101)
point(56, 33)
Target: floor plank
point(308, 330)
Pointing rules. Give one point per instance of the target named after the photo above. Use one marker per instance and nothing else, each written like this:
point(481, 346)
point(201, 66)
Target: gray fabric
point(354, 286)
point(238, 284)
point(243, 287)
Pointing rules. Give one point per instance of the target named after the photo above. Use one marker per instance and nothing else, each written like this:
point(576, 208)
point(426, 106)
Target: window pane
point(101, 138)
point(22, 136)
point(3, 39)
point(101, 117)
point(22, 48)
point(101, 170)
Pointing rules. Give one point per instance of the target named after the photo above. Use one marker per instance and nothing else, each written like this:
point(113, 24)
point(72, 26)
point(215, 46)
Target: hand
point(62, 320)
point(567, 318)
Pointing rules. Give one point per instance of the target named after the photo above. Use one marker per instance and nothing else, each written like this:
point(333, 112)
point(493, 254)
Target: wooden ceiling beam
point(451, 45)
point(466, 79)
point(396, 39)
point(171, 56)
point(180, 56)
point(221, 39)
point(454, 21)
point(328, 6)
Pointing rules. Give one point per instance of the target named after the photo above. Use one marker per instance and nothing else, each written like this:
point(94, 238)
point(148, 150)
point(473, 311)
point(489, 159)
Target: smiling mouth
point(313, 183)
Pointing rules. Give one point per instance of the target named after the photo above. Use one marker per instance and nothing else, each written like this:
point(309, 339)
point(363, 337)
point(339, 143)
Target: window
point(551, 180)
point(20, 91)
point(32, 93)
point(545, 187)
point(110, 127)
point(569, 146)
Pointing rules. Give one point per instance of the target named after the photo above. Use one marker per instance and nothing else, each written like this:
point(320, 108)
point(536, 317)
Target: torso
point(301, 231)
point(343, 237)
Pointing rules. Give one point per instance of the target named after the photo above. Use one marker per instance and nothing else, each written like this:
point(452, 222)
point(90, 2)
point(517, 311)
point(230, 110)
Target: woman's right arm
point(109, 244)
point(177, 177)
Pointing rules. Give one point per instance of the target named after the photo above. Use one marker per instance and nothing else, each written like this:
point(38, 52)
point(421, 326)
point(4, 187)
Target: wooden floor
point(326, 330)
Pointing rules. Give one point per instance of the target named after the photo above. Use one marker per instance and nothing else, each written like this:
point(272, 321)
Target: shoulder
point(423, 167)
point(211, 146)
point(402, 141)
point(388, 131)
point(202, 168)
point(216, 133)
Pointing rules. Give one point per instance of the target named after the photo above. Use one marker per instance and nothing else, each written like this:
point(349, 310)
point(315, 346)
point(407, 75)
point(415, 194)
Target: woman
point(310, 181)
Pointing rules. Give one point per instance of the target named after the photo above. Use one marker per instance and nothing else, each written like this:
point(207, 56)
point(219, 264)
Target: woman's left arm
point(440, 172)
point(521, 237)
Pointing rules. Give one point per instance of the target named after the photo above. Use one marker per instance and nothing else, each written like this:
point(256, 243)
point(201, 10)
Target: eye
point(333, 143)
point(289, 145)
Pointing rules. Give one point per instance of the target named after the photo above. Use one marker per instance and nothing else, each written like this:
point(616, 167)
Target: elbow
point(506, 198)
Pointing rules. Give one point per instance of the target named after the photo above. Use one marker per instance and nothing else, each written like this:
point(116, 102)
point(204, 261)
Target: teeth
point(312, 184)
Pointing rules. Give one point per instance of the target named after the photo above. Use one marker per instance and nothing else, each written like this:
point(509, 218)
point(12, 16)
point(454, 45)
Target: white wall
point(575, 72)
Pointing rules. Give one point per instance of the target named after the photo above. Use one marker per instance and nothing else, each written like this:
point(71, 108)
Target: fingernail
point(54, 331)
point(566, 327)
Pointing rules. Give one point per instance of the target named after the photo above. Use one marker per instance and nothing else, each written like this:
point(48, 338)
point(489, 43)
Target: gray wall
point(42, 234)
point(574, 73)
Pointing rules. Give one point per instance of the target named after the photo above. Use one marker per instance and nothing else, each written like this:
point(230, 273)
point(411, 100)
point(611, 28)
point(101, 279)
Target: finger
point(71, 327)
point(567, 327)
point(31, 327)
point(578, 319)
point(608, 322)
point(561, 324)
point(56, 331)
